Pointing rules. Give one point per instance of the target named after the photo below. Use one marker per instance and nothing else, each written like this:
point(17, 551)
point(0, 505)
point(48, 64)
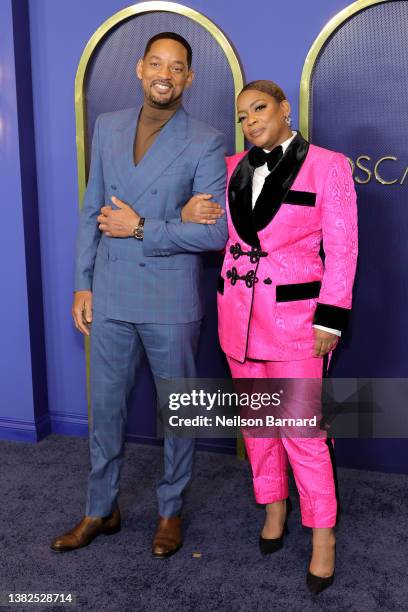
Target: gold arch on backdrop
point(80, 101)
point(314, 52)
point(96, 38)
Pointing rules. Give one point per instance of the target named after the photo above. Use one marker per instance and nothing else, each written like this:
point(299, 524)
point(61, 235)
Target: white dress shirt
point(258, 180)
point(262, 172)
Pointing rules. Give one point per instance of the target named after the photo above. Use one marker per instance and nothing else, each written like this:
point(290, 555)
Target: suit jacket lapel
point(240, 202)
point(279, 181)
point(169, 144)
point(122, 148)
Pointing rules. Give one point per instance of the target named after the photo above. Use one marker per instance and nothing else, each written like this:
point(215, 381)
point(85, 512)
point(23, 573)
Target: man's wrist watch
point(138, 232)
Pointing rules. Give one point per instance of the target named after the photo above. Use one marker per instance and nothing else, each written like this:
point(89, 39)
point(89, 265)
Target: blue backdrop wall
point(272, 40)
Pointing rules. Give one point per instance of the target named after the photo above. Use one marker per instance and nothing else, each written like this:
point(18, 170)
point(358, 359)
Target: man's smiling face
point(164, 72)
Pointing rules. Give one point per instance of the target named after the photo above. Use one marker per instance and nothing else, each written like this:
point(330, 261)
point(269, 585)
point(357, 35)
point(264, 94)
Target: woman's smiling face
point(262, 118)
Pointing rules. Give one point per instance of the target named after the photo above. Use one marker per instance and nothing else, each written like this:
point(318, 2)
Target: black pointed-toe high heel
point(270, 545)
point(317, 584)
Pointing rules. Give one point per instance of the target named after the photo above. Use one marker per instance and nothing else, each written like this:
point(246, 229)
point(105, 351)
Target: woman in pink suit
point(281, 308)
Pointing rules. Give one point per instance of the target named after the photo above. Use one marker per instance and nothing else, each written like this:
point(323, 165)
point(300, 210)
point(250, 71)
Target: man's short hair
point(172, 36)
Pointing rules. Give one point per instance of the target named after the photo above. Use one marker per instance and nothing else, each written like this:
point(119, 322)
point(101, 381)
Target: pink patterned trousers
point(309, 458)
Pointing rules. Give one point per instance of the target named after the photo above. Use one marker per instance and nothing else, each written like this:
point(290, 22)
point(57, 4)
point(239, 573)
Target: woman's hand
point(324, 342)
point(200, 210)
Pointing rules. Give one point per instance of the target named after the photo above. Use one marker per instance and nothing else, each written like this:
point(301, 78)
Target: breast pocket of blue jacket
point(178, 189)
point(180, 168)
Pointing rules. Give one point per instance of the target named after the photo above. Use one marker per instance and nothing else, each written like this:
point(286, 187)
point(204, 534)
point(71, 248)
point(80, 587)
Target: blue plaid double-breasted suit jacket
point(157, 280)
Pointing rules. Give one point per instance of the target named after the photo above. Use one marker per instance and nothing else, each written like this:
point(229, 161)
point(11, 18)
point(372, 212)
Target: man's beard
point(157, 101)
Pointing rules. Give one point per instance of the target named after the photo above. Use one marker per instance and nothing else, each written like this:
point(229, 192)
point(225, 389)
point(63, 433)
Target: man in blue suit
point(138, 270)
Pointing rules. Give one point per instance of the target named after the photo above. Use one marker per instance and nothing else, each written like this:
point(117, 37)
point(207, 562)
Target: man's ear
point(190, 78)
point(139, 67)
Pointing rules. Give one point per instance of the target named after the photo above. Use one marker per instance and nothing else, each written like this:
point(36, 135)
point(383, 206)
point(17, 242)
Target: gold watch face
point(138, 232)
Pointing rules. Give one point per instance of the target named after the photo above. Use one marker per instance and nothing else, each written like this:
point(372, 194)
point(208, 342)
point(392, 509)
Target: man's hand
point(82, 311)
point(199, 210)
point(324, 342)
point(118, 223)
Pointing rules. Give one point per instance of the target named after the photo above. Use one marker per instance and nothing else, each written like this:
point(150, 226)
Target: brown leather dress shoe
point(168, 537)
point(86, 531)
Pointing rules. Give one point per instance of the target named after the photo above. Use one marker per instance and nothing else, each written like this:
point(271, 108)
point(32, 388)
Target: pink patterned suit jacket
point(274, 284)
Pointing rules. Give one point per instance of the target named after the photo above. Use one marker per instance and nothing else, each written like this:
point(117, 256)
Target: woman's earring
point(288, 120)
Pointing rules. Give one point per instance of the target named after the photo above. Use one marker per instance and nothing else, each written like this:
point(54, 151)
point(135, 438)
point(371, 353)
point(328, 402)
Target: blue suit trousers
point(117, 348)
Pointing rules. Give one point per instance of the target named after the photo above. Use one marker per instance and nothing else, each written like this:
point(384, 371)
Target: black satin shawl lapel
point(278, 182)
point(240, 202)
